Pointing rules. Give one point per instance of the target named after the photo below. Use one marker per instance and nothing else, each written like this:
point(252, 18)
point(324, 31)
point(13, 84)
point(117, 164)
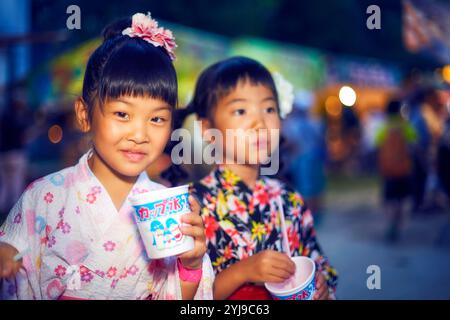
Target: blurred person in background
point(14, 122)
point(395, 164)
point(372, 122)
point(351, 135)
point(443, 157)
point(443, 170)
point(426, 117)
point(306, 156)
point(434, 113)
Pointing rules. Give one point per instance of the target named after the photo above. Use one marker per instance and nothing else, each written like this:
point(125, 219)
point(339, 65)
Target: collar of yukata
point(228, 178)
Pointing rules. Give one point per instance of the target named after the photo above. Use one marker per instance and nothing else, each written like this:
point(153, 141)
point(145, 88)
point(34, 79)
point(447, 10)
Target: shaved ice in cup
point(158, 217)
point(301, 286)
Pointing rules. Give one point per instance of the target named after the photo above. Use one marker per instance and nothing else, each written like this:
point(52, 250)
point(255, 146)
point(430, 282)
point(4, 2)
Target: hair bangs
point(240, 69)
point(139, 70)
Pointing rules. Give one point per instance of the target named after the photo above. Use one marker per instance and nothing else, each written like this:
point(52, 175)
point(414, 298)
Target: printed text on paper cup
point(174, 205)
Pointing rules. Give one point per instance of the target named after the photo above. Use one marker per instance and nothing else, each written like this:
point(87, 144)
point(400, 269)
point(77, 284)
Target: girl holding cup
point(239, 204)
point(76, 225)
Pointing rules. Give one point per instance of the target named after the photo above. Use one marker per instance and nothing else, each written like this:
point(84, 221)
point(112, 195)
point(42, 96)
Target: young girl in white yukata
point(74, 228)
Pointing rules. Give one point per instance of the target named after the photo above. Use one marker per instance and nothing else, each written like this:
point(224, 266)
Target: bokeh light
point(347, 96)
point(446, 73)
point(55, 134)
point(333, 106)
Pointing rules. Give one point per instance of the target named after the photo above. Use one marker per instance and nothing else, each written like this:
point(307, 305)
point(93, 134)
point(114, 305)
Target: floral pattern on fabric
point(240, 222)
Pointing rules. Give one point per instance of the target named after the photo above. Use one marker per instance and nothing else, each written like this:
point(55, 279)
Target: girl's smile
point(134, 155)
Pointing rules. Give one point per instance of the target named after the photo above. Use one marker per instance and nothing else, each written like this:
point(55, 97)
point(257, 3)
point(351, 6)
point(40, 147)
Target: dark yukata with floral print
point(240, 222)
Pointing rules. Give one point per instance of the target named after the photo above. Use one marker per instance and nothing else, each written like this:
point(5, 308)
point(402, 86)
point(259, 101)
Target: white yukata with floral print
point(79, 245)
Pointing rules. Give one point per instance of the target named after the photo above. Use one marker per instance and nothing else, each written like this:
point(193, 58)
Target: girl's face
point(129, 133)
point(250, 113)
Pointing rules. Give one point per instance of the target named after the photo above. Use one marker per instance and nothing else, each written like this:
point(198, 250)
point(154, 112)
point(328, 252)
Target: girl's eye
point(158, 120)
point(239, 112)
point(122, 115)
point(271, 110)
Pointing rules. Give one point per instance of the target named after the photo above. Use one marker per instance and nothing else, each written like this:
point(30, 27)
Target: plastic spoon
point(285, 241)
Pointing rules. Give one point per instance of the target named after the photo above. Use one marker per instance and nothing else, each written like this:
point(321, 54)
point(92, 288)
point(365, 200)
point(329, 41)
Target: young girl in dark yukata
point(240, 209)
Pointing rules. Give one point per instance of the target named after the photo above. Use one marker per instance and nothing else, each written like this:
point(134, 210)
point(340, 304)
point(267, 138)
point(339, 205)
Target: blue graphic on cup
point(157, 229)
point(169, 240)
point(166, 237)
point(174, 228)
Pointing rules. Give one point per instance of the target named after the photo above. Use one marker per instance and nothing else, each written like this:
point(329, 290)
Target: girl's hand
point(8, 267)
point(268, 266)
point(193, 259)
point(321, 288)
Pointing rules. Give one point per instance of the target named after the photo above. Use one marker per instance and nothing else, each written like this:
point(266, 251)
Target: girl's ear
point(82, 114)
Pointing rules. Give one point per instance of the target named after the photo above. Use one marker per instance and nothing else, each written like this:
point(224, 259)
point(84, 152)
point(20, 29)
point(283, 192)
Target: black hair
point(213, 84)
point(219, 79)
point(123, 65)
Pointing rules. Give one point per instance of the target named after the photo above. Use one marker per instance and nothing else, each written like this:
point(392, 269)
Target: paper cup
point(158, 217)
point(301, 286)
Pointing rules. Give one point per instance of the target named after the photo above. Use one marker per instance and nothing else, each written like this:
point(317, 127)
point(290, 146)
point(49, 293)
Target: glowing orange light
point(333, 106)
point(55, 134)
point(446, 73)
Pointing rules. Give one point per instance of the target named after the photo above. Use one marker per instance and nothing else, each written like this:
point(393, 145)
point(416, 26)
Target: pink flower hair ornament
point(146, 28)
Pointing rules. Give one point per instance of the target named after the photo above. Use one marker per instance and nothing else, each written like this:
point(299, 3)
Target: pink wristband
point(189, 275)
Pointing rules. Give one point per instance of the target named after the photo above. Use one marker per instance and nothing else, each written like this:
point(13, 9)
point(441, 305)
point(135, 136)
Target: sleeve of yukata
point(205, 288)
point(22, 230)
point(312, 249)
point(167, 285)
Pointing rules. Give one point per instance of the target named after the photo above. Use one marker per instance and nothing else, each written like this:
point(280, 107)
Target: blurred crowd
point(406, 144)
